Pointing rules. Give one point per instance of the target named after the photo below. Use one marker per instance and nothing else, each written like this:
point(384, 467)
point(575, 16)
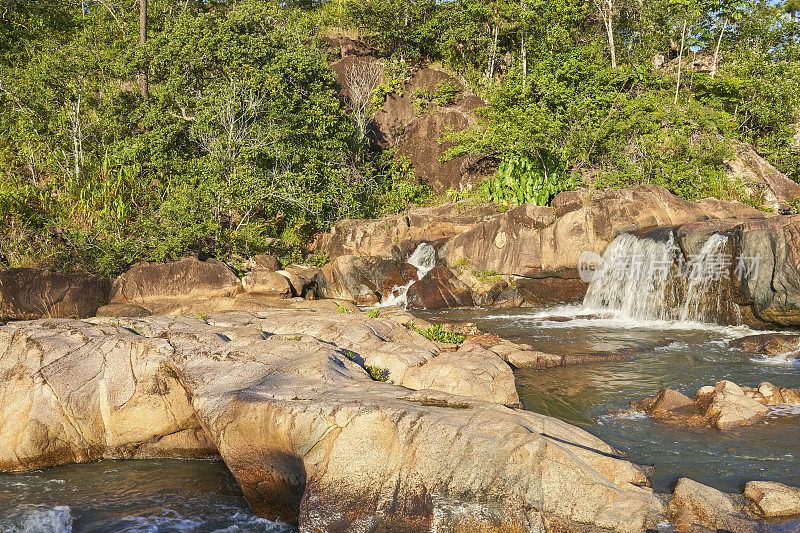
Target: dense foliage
point(242, 144)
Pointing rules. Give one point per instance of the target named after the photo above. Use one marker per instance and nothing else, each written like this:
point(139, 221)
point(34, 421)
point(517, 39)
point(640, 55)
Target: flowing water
point(670, 354)
point(423, 259)
point(658, 311)
point(129, 496)
point(646, 299)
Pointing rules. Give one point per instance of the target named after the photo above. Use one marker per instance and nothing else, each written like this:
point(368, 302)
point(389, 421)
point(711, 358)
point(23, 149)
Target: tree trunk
point(610, 30)
point(523, 48)
point(680, 62)
point(492, 54)
point(142, 39)
point(716, 52)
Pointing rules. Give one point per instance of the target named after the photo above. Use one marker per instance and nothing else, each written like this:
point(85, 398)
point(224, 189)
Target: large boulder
point(364, 279)
point(764, 269)
point(694, 505)
point(186, 277)
point(438, 289)
point(759, 177)
point(267, 283)
point(309, 435)
point(27, 293)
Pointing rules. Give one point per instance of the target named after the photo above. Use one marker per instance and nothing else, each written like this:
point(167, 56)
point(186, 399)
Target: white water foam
point(784, 409)
point(39, 519)
point(423, 259)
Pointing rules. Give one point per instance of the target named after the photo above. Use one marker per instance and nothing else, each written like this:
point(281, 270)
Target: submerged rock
point(285, 398)
point(769, 344)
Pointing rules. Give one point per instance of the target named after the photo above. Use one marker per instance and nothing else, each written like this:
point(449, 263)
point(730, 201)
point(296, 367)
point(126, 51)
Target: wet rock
point(508, 297)
point(309, 436)
point(773, 499)
point(768, 344)
point(439, 289)
point(27, 293)
point(694, 504)
point(186, 277)
point(362, 279)
point(266, 283)
point(723, 406)
point(729, 407)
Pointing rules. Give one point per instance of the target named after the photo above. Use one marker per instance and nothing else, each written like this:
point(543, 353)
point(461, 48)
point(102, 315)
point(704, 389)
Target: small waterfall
point(423, 259)
point(634, 277)
point(649, 279)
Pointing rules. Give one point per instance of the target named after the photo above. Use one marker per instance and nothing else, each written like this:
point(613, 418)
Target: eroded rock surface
point(28, 293)
point(284, 398)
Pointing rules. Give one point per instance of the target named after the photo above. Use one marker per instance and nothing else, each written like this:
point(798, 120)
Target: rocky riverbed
point(285, 398)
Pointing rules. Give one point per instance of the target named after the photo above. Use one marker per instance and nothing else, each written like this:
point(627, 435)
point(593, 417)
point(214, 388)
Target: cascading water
point(423, 259)
point(649, 279)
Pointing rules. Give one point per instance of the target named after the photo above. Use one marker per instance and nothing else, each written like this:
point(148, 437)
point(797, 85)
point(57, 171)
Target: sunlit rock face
point(285, 398)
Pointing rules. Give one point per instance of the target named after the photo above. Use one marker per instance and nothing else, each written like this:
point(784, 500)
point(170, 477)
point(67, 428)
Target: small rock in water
point(723, 406)
point(773, 499)
point(769, 344)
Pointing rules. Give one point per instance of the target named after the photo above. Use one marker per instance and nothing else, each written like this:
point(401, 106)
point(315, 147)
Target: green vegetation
point(438, 334)
point(377, 373)
point(344, 310)
point(239, 143)
point(373, 313)
point(443, 94)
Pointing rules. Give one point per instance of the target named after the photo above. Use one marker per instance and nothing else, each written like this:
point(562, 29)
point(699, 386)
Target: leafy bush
point(438, 334)
point(519, 181)
point(377, 373)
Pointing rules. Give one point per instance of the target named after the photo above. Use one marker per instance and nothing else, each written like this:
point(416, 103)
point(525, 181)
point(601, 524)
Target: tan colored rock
point(769, 344)
point(362, 279)
point(263, 282)
point(694, 504)
point(730, 407)
point(187, 277)
point(123, 309)
point(759, 176)
point(773, 499)
point(306, 432)
point(439, 289)
point(270, 262)
point(303, 279)
point(470, 371)
point(76, 392)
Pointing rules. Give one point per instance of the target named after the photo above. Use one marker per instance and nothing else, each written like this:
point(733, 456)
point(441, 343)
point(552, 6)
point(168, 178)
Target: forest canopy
point(224, 132)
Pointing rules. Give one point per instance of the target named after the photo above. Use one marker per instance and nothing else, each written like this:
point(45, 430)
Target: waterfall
point(423, 259)
point(649, 279)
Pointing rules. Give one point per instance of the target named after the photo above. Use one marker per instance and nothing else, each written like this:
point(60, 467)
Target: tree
point(142, 40)
point(361, 78)
point(606, 9)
